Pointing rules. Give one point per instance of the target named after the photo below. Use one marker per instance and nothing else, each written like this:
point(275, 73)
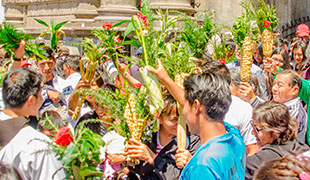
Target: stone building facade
point(84, 15)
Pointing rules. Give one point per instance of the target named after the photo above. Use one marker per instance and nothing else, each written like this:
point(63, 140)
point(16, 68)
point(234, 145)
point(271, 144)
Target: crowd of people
point(235, 130)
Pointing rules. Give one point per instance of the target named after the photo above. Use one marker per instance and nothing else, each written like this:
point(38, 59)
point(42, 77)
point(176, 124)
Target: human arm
point(176, 91)
point(18, 54)
point(74, 97)
point(131, 80)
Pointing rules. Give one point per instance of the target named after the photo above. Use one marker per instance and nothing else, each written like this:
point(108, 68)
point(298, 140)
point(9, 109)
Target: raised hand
point(19, 52)
point(271, 66)
point(246, 92)
point(160, 72)
point(136, 149)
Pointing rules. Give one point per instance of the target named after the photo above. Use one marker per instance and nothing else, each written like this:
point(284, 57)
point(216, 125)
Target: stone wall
point(84, 15)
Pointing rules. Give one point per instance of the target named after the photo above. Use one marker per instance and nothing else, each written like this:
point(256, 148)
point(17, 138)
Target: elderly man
point(285, 90)
point(20, 142)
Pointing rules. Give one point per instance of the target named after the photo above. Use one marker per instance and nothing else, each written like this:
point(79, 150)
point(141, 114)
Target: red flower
point(222, 61)
point(58, 34)
point(107, 25)
point(143, 18)
point(63, 137)
point(137, 85)
point(266, 24)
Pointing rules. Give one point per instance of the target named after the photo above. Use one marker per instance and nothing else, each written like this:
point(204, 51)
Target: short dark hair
point(295, 78)
point(18, 85)
point(212, 91)
point(73, 61)
point(216, 67)
point(48, 52)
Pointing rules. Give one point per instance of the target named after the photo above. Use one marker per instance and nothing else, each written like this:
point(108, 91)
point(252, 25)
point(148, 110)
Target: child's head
point(169, 116)
point(50, 117)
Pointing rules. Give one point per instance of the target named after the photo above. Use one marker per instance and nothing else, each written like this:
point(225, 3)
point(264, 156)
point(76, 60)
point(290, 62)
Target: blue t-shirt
point(222, 157)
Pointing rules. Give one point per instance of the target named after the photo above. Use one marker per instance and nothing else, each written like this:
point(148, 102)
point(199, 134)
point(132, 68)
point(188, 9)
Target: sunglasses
point(255, 128)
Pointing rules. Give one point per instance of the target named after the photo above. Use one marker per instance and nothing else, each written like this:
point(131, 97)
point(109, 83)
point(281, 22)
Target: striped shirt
point(298, 112)
point(159, 147)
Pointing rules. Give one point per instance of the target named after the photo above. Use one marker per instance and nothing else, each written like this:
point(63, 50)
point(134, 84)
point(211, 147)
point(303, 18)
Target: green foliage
point(197, 34)
point(263, 13)
point(54, 31)
point(93, 51)
point(177, 58)
point(245, 25)
point(10, 39)
point(220, 50)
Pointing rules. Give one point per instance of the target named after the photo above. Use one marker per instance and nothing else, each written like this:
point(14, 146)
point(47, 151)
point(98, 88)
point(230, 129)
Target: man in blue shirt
point(222, 153)
point(205, 102)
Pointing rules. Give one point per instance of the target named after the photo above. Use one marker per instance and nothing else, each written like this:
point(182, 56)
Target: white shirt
point(4, 116)
point(58, 83)
point(240, 116)
point(22, 154)
point(70, 84)
point(298, 112)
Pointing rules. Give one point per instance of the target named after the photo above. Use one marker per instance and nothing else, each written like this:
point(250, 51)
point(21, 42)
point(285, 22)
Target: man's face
point(66, 69)
point(189, 116)
point(47, 67)
point(37, 103)
point(281, 89)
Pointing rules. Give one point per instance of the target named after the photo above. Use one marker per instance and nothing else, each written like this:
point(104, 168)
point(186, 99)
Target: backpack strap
point(9, 128)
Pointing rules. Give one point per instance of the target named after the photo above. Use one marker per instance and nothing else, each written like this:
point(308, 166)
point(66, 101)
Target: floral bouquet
point(78, 152)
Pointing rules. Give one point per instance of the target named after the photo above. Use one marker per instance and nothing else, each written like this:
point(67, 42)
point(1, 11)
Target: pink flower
point(107, 25)
point(266, 24)
point(63, 137)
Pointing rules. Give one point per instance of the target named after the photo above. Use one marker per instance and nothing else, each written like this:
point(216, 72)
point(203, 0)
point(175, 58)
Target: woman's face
point(298, 55)
point(279, 59)
point(262, 137)
point(258, 58)
point(169, 123)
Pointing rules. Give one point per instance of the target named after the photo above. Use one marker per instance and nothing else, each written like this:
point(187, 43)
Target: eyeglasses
point(255, 128)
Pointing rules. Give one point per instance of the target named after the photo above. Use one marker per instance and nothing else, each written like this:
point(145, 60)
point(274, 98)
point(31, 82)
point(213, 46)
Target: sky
point(1, 12)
